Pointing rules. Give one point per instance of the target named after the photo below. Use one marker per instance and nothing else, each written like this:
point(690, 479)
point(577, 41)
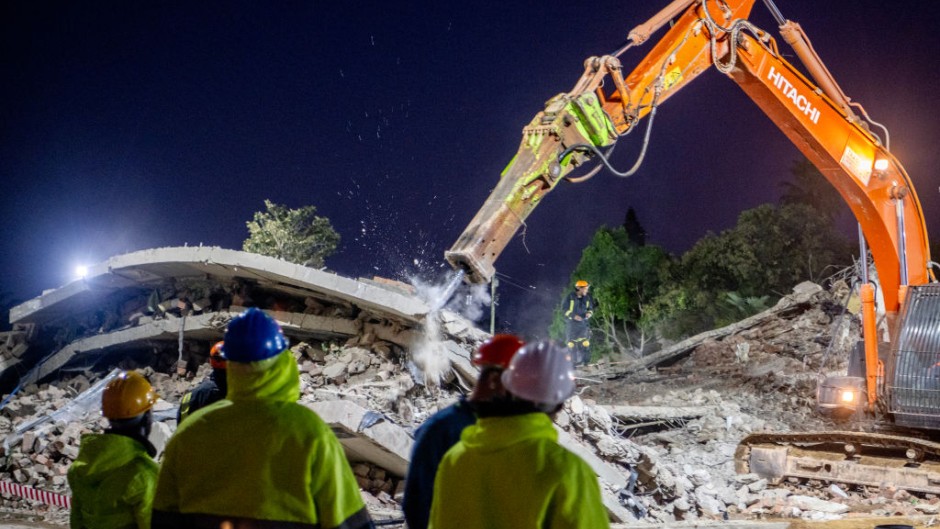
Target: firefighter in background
point(257, 458)
point(114, 477)
point(443, 429)
point(508, 470)
point(210, 390)
point(578, 308)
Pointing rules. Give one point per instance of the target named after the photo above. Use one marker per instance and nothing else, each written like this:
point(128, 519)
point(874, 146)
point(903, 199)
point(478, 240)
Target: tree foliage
point(643, 292)
point(635, 231)
point(623, 276)
point(770, 250)
point(744, 270)
point(295, 235)
point(810, 187)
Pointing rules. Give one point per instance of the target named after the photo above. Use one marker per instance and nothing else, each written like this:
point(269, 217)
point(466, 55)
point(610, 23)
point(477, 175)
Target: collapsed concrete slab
point(366, 435)
point(151, 298)
point(210, 327)
point(151, 266)
point(605, 471)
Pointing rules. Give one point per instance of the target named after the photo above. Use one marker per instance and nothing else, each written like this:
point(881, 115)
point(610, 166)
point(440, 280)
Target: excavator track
point(869, 459)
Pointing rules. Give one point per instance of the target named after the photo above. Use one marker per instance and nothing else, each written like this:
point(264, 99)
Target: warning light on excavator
point(881, 165)
point(848, 396)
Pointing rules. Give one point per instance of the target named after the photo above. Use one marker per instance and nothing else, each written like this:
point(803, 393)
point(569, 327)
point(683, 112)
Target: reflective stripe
point(184, 405)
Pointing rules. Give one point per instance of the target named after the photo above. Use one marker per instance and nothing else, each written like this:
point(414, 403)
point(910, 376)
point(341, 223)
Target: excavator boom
point(836, 135)
point(817, 118)
point(557, 140)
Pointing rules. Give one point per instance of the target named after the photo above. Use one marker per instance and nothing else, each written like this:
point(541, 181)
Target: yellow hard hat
point(580, 283)
point(127, 396)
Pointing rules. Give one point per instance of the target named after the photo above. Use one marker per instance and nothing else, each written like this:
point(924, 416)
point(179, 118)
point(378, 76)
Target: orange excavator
point(897, 383)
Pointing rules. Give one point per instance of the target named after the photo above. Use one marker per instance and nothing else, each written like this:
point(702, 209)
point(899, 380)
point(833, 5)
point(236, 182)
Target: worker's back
point(510, 472)
point(258, 458)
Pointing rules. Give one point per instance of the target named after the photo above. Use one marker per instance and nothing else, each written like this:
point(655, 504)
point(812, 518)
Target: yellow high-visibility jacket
point(510, 472)
point(112, 481)
point(258, 459)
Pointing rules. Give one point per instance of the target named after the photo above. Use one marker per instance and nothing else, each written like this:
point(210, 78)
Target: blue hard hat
point(252, 336)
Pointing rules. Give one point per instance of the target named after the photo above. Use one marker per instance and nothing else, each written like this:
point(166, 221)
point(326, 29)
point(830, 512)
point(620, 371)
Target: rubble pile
point(376, 375)
point(15, 343)
point(806, 337)
point(662, 439)
point(750, 378)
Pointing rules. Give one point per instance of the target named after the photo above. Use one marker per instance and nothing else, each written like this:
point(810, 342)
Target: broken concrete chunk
point(334, 371)
point(808, 503)
point(384, 444)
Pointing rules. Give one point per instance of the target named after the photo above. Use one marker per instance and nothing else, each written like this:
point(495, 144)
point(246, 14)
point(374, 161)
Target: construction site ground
point(660, 430)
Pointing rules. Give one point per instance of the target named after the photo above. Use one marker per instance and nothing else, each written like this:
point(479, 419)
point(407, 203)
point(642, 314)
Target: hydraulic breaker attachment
point(536, 169)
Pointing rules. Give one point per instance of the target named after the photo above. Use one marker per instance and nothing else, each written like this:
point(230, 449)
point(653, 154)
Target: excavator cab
point(913, 387)
point(911, 391)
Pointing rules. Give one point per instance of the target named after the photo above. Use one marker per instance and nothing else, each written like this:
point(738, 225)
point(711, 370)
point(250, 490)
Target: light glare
point(81, 271)
point(881, 164)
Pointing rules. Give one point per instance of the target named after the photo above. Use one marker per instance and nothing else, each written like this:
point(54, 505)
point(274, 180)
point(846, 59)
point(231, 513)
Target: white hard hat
point(542, 373)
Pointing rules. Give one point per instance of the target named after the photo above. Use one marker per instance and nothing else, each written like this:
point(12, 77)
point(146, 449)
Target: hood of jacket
point(101, 454)
point(496, 433)
point(272, 379)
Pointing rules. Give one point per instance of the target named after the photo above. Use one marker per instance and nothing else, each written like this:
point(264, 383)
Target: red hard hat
point(216, 358)
point(497, 350)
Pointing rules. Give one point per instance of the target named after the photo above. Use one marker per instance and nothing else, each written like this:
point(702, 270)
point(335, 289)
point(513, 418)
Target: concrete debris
point(353, 341)
point(808, 307)
point(367, 436)
point(366, 394)
point(15, 343)
point(661, 439)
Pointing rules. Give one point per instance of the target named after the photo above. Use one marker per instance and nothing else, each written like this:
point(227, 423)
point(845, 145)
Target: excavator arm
point(835, 134)
point(817, 118)
point(567, 134)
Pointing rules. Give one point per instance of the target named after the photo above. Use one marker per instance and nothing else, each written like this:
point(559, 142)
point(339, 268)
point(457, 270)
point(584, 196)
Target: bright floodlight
point(881, 164)
point(848, 395)
point(81, 271)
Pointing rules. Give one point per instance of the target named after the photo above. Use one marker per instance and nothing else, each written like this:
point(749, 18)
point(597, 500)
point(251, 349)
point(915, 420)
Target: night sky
point(132, 125)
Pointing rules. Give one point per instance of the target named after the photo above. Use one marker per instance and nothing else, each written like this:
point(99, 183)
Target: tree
point(635, 231)
point(770, 250)
point(295, 235)
point(623, 277)
point(744, 270)
point(810, 187)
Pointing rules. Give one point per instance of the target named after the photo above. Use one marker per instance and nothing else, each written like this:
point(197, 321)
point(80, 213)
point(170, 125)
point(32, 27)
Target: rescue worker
point(114, 477)
point(257, 458)
point(578, 308)
point(211, 389)
point(442, 430)
point(508, 470)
